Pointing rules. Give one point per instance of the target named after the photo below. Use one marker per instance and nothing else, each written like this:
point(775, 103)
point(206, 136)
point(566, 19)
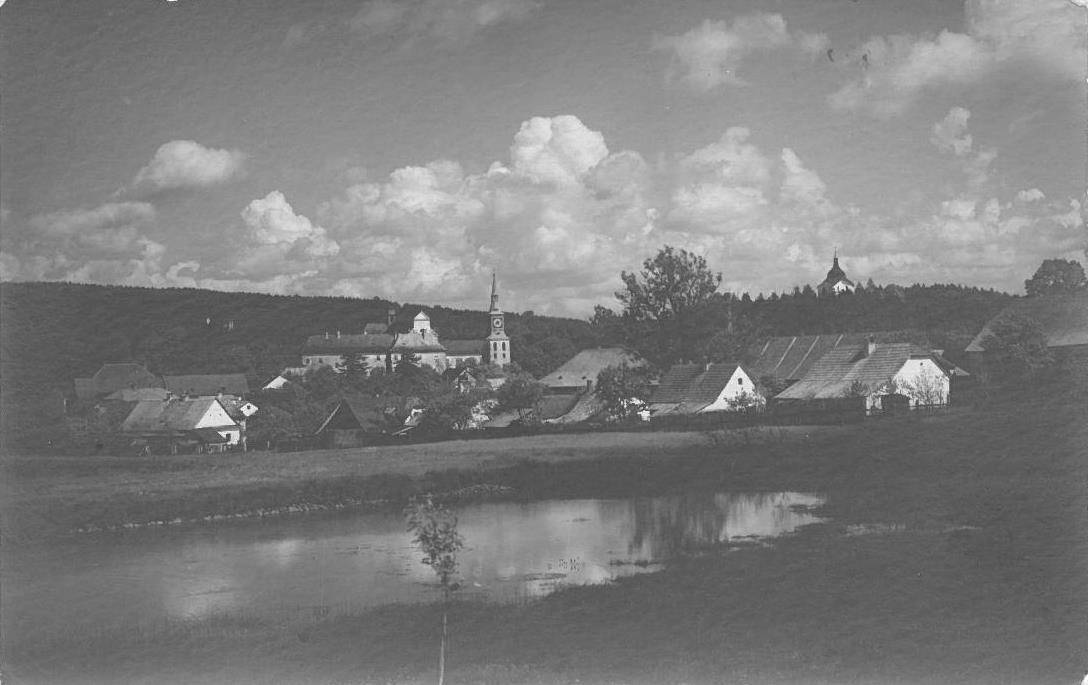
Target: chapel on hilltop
point(380, 348)
point(836, 282)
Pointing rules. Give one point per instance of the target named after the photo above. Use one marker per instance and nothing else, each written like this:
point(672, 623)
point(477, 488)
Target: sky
point(405, 149)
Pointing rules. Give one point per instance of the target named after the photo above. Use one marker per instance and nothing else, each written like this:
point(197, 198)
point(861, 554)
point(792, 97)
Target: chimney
point(338, 334)
point(870, 347)
point(326, 334)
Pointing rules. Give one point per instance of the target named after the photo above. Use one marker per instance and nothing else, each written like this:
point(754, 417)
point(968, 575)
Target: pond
point(513, 552)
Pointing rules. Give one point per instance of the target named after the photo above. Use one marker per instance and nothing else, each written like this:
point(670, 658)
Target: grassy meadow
point(955, 551)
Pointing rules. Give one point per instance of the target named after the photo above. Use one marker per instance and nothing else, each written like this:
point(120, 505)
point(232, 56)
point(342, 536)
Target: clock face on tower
point(496, 322)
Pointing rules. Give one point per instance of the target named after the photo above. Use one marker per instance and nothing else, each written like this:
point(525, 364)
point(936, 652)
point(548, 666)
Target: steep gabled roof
point(837, 371)
point(157, 416)
point(790, 357)
point(674, 384)
point(1062, 318)
point(694, 385)
point(355, 414)
point(207, 384)
point(587, 364)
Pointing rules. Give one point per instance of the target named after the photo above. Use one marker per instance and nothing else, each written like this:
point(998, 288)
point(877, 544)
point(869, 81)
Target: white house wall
point(217, 417)
point(739, 384)
point(923, 382)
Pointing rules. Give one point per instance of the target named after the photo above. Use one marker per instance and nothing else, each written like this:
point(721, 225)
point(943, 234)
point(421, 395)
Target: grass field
point(956, 552)
point(46, 496)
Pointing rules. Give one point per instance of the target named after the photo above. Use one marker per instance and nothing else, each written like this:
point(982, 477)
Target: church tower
point(836, 282)
point(498, 343)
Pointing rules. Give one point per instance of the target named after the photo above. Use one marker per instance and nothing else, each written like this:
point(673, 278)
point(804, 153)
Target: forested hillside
point(722, 327)
point(949, 314)
point(54, 332)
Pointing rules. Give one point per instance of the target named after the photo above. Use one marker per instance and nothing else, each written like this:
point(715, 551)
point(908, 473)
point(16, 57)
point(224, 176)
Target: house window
point(740, 381)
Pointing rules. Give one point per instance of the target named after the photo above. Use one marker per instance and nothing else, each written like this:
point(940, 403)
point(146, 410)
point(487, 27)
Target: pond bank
point(45, 497)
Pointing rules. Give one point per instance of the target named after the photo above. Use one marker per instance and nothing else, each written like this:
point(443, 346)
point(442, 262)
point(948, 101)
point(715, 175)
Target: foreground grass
point(980, 580)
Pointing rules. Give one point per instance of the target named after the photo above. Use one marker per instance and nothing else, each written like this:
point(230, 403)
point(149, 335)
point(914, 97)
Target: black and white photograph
point(543, 342)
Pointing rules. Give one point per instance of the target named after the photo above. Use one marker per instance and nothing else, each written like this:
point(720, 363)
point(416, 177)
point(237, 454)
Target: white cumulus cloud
point(711, 54)
point(188, 164)
point(1051, 35)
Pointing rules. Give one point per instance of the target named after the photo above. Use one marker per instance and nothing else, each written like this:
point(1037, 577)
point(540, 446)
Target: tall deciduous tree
point(1056, 275)
point(669, 285)
point(1019, 343)
point(668, 305)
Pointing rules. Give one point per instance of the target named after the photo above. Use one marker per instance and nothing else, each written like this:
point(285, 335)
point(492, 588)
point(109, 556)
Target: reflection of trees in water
point(665, 527)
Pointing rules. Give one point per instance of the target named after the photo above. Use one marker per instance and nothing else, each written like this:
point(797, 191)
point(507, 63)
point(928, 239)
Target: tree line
point(672, 310)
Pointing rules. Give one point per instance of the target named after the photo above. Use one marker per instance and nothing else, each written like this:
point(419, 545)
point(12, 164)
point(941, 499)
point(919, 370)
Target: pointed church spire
point(494, 293)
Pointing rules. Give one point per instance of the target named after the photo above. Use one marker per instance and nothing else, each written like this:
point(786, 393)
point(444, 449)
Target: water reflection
point(513, 551)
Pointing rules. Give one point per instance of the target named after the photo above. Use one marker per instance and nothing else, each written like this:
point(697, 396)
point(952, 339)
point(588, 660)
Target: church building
point(379, 348)
point(836, 282)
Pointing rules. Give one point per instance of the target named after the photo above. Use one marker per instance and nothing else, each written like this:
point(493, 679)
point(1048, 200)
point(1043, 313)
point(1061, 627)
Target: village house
point(703, 388)
point(786, 359)
point(579, 373)
point(175, 424)
point(874, 370)
point(569, 390)
point(354, 422)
